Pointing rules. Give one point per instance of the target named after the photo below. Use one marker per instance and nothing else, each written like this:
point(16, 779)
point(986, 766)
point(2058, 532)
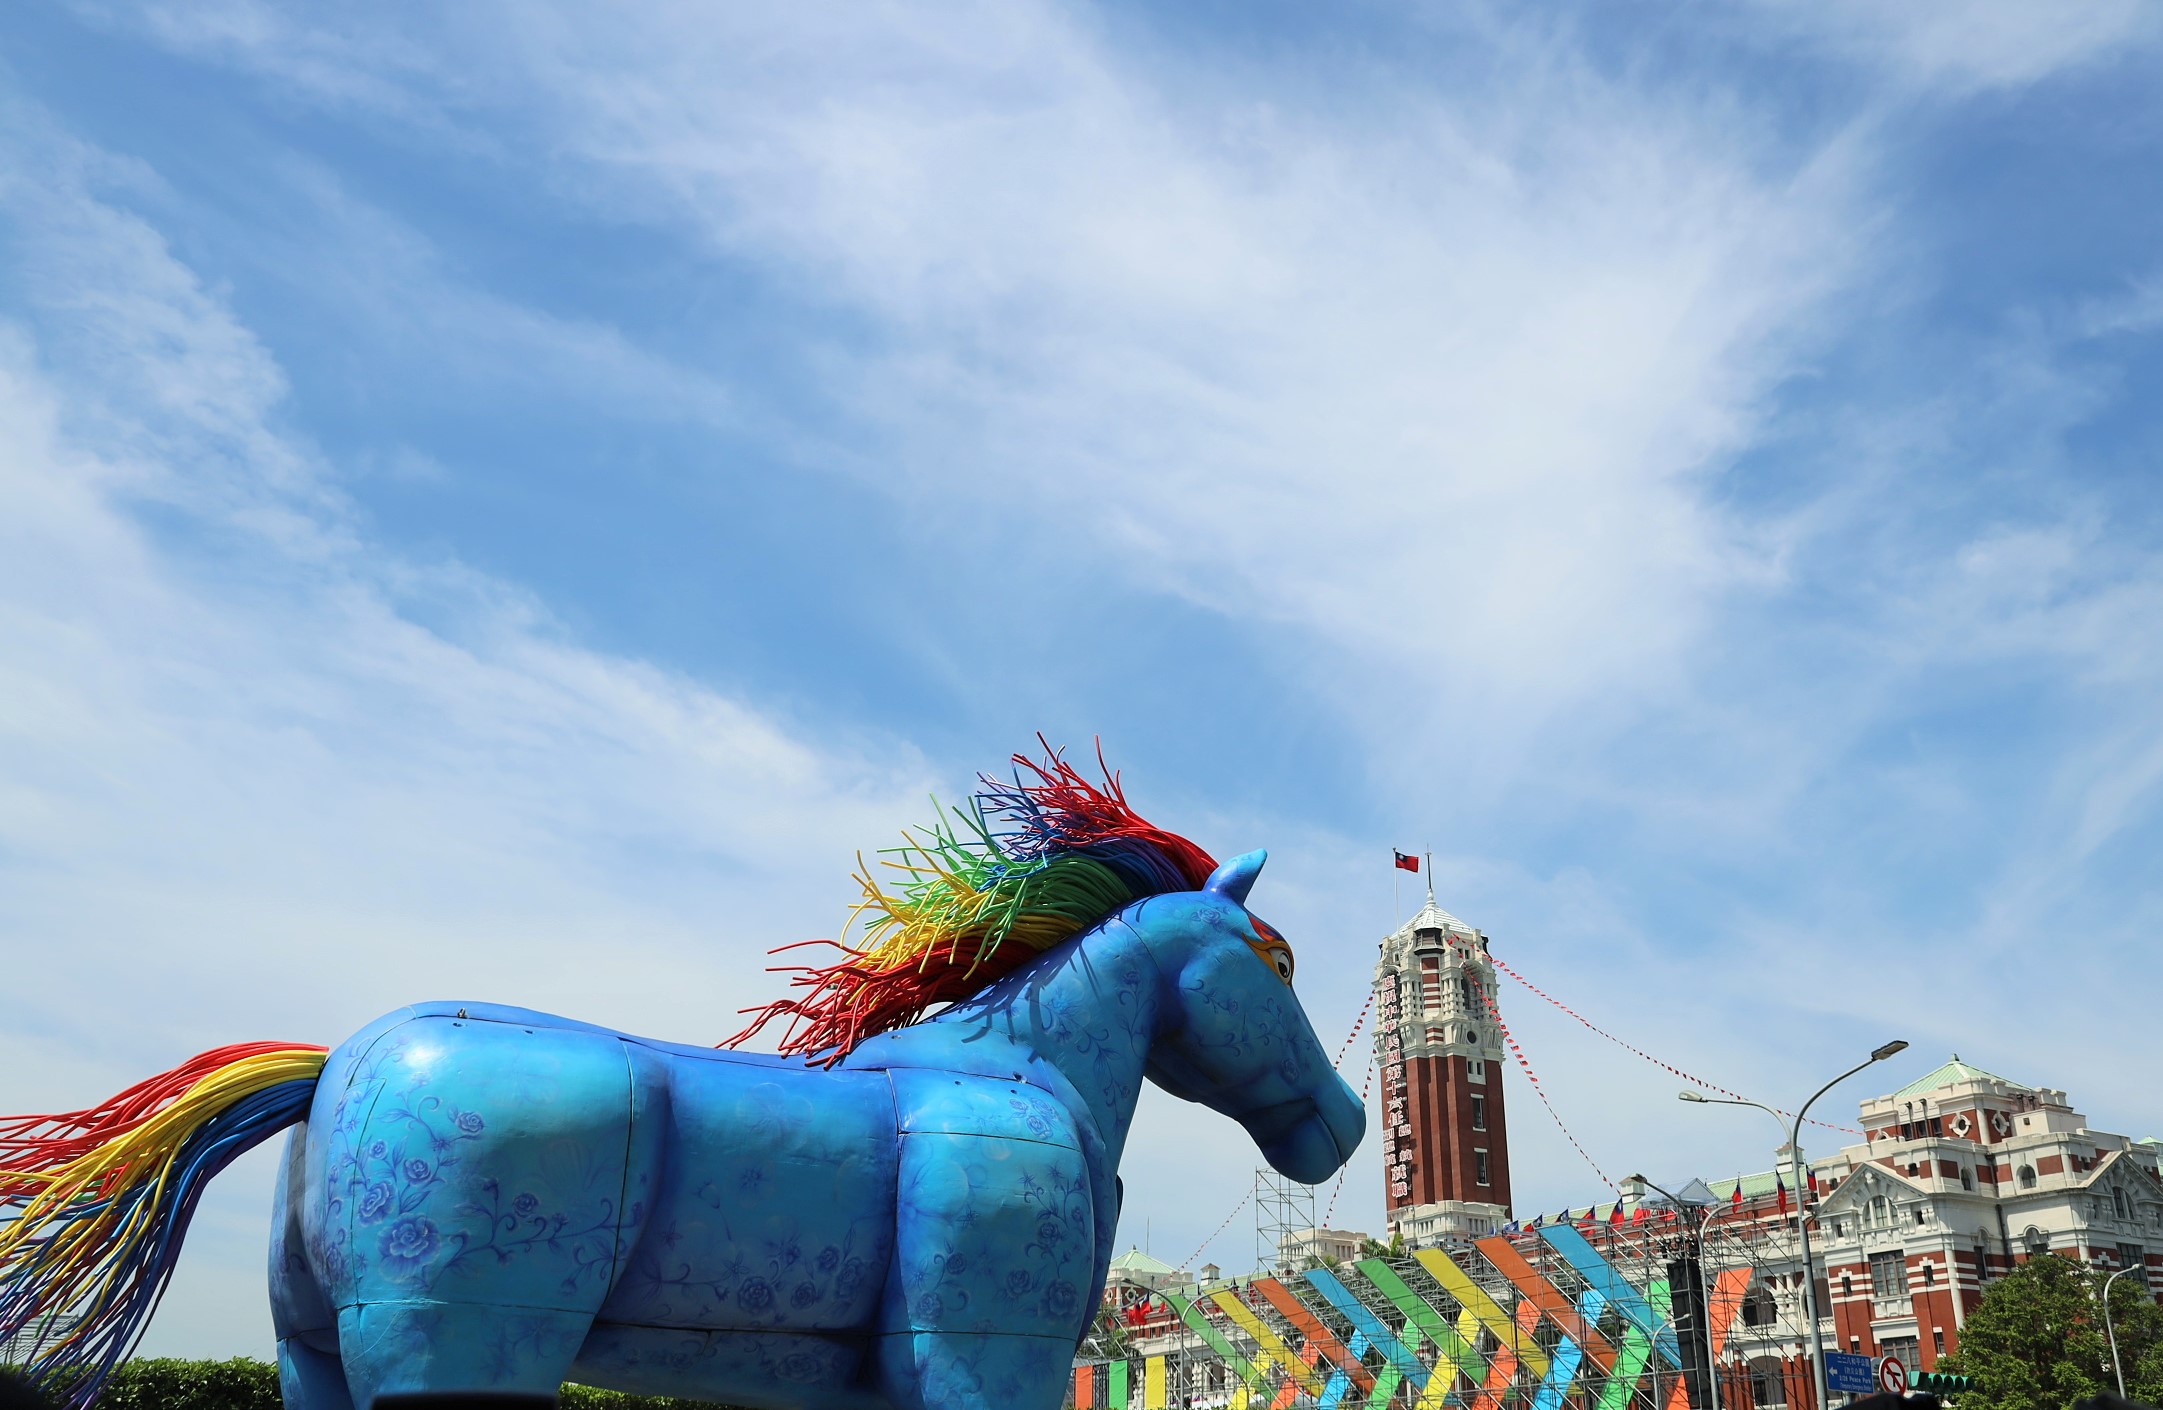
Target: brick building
point(1445, 1139)
point(1960, 1176)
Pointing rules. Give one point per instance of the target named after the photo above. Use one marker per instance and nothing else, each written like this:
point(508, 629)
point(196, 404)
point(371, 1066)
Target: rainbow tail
point(94, 1203)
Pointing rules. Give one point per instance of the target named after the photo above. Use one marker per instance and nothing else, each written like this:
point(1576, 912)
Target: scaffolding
point(1661, 1313)
point(1283, 1208)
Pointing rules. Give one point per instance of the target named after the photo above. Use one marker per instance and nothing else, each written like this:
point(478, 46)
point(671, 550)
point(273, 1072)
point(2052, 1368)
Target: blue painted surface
point(1339, 1380)
point(1561, 1371)
point(487, 1198)
point(1370, 1326)
point(1627, 1300)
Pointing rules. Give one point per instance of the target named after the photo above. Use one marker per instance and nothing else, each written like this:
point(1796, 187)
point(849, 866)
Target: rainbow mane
point(1024, 866)
point(93, 1203)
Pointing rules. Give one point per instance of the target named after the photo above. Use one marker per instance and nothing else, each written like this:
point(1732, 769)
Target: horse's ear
point(1235, 878)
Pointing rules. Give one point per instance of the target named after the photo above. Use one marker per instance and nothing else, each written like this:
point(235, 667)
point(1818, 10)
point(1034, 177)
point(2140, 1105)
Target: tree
point(1374, 1248)
point(2036, 1341)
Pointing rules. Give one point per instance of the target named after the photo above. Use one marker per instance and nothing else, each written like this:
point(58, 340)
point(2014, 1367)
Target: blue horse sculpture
point(490, 1199)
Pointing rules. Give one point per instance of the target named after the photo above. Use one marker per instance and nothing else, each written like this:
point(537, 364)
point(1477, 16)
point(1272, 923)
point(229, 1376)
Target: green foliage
point(2036, 1341)
point(163, 1383)
point(590, 1398)
point(1374, 1248)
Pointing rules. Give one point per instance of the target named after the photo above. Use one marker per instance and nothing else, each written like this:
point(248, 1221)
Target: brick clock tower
point(1445, 1137)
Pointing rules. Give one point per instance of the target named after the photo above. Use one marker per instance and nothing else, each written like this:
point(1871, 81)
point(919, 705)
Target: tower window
point(1475, 1070)
point(1479, 1167)
point(1479, 1113)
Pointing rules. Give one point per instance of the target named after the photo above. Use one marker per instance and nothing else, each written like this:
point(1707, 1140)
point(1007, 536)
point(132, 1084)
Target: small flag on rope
point(1405, 862)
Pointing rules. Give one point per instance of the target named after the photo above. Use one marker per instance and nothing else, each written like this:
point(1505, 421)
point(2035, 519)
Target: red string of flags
point(1494, 1014)
point(1220, 1229)
point(1648, 1057)
point(1357, 1024)
point(1365, 1085)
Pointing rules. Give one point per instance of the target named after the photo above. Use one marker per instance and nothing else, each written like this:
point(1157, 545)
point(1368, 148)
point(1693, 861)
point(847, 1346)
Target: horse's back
point(482, 1153)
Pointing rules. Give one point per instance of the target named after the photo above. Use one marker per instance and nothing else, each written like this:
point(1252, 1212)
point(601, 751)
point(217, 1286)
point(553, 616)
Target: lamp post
point(1698, 1217)
point(2111, 1332)
point(1802, 1213)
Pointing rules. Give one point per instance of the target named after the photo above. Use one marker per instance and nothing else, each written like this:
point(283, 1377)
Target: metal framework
point(1282, 1207)
point(1566, 1317)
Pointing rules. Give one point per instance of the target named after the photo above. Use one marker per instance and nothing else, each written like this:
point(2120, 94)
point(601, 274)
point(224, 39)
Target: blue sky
point(506, 501)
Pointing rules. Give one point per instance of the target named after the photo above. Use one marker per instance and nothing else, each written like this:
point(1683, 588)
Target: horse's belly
point(747, 1368)
point(773, 1208)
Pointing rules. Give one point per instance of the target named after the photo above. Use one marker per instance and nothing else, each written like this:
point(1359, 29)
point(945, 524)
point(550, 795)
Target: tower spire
point(1430, 878)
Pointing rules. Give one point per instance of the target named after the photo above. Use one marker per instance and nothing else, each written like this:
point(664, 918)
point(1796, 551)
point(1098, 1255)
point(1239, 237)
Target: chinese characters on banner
point(1396, 1158)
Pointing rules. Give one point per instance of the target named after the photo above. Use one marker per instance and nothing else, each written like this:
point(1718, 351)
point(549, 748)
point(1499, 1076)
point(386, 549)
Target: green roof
point(1753, 1186)
point(1135, 1261)
point(1946, 1074)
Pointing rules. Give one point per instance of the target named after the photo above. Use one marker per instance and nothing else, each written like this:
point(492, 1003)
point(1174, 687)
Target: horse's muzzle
point(1310, 1139)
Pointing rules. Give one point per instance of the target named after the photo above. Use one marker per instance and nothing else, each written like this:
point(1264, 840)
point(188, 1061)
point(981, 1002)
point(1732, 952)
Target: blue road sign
point(1847, 1371)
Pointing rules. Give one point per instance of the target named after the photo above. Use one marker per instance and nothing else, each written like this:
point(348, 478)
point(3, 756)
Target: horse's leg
point(994, 1244)
point(976, 1370)
point(453, 1348)
point(309, 1379)
point(309, 1375)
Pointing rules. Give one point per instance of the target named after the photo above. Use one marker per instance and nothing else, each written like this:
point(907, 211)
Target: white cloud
point(259, 779)
point(1967, 45)
point(1429, 384)
point(1436, 388)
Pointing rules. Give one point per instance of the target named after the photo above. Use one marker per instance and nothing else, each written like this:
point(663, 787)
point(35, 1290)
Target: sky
point(506, 501)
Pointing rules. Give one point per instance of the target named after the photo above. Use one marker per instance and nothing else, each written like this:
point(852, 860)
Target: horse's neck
point(1090, 1010)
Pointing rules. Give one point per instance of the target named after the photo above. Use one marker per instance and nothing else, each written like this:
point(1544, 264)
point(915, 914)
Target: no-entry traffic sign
point(1892, 1375)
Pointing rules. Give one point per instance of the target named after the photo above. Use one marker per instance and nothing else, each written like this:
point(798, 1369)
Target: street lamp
point(2111, 1332)
point(1697, 1217)
point(1802, 1215)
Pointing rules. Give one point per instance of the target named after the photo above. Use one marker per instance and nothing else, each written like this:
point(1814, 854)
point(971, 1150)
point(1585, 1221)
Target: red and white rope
point(1648, 1057)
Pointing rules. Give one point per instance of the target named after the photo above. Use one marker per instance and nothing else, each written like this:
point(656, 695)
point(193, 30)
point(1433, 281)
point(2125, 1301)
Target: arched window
point(2118, 1204)
point(2026, 1176)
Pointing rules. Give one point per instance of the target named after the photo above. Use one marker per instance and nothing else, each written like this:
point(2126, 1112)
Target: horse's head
point(1235, 1038)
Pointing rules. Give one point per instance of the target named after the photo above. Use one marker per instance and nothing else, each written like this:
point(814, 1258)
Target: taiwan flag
point(1404, 863)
